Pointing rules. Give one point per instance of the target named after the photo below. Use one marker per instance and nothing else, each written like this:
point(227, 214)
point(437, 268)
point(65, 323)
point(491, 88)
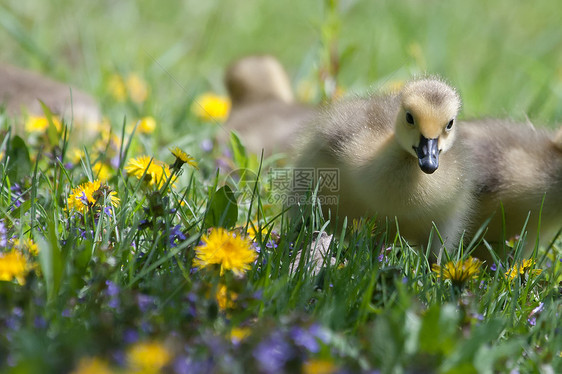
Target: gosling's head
point(258, 78)
point(425, 125)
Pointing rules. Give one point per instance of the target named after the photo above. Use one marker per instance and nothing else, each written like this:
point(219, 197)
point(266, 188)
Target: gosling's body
point(264, 111)
point(377, 153)
point(516, 165)
point(21, 90)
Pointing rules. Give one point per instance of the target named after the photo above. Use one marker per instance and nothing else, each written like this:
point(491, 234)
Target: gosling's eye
point(409, 118)
point(450, 125)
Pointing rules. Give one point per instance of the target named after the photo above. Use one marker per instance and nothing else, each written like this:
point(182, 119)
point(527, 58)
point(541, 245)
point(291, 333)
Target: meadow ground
point(113, 251)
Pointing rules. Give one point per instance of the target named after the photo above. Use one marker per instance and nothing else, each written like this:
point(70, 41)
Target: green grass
point(103, 283)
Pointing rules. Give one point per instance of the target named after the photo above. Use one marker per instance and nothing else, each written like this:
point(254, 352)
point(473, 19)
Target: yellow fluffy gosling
point(397, 157)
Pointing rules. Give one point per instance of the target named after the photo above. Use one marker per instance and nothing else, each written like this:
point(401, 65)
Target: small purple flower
point(112, 291)
point(146, 327)
point(13, 322)
point(538, 309)
point(114, 162)
point(130, 336)
point(186, 365)
point(112, 288)
point(493, 267)
point(256, 247)
point(113, 303)
point(320, 332)
point(83, 233)
point(119, 357)
point(532, 321)
point(271, 244)
point(3, 234)
point(145, 302)
point(273, 353)
point(176, 234)
point(206, 145)
point(222, 164)
point(83, 198)
point(16, 195)
point(258, 295)
point(305, 339)
point(478, 316)
point(107, 211)
point(40, 322)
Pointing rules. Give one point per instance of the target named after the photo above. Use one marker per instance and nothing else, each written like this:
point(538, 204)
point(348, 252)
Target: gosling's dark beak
point(428, 154)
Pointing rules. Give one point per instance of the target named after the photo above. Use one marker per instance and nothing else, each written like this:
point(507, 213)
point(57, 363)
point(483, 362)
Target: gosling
point(264, 112)
point(516, 166)
point(397, 158)
point(21, 90)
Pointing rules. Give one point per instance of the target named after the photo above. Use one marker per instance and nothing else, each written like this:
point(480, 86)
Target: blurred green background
point(505, 56)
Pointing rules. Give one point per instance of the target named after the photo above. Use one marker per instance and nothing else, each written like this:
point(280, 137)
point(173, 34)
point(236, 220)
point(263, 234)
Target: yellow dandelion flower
point(157, 173)
point(182, 158)
point(227, 250)
point(319, 367)
point(40, 124)
point(394, 85)
point(237, 334)
point(253, 232)
point(148, 357)
point(89, 365)
point(117, 87)
point(97, 126)
point(76, 155)
point(106, 133)
point(89, 194)
point(211, 107)
point(101, 171)
point(108, 144)
point(460, 271)
point(225, 299)
point(137, 88)
point(525, 267)
point(146, 125)
point(27, 245)
point(13, 265)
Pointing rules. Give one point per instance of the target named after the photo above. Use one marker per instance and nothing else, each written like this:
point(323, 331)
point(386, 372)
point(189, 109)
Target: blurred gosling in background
point(21, 91)
point(516, 165)
point(264, 112)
